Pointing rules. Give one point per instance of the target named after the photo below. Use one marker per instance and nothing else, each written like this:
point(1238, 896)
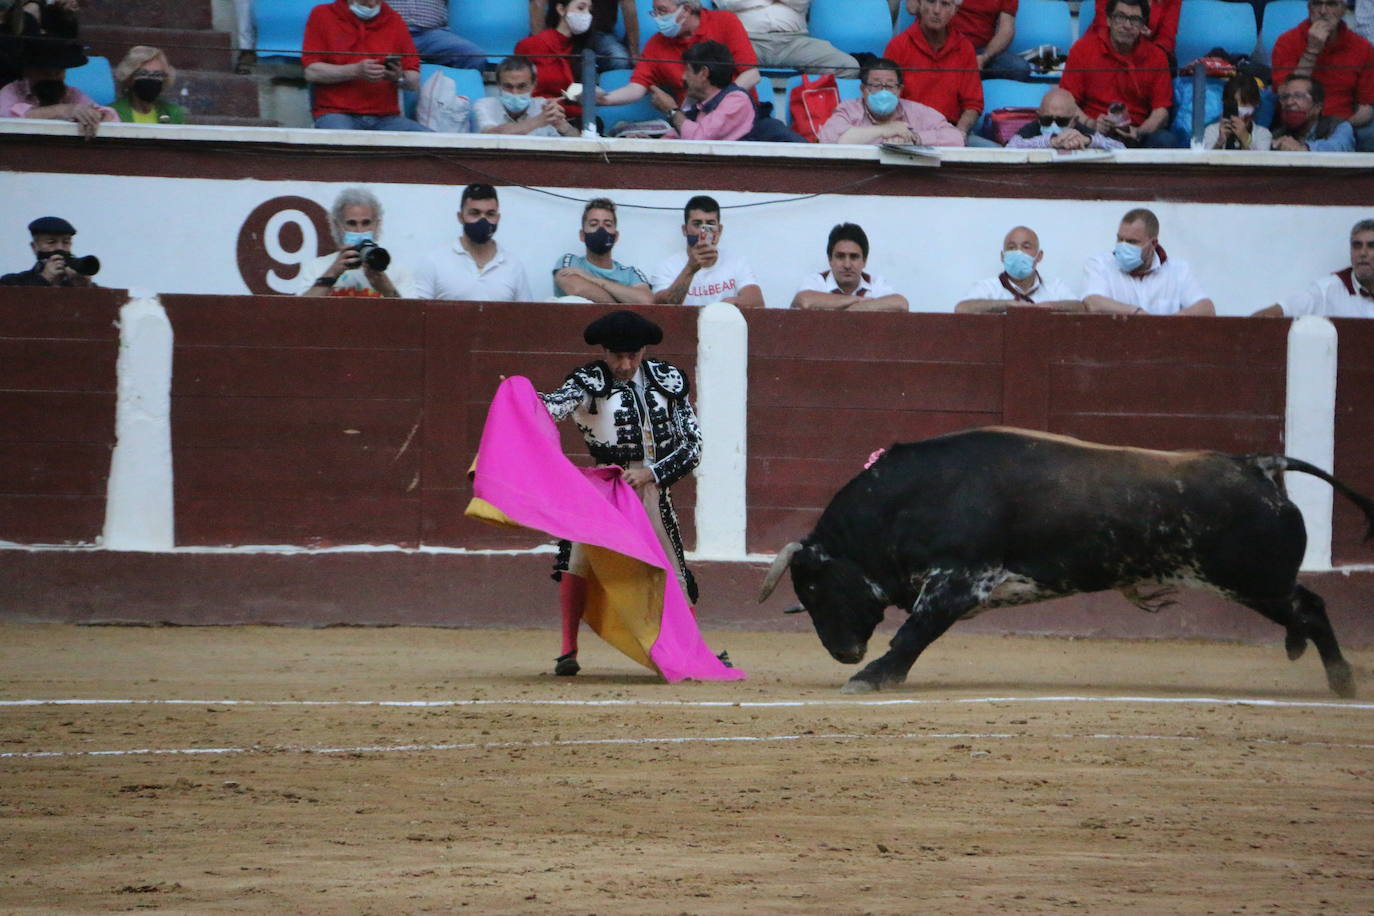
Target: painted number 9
point(277, 240)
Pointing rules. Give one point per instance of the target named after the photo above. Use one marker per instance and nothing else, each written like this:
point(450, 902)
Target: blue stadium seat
point(1279, 17)
point(1085, 16)
point(782, 108)
point(853, 26)
point(611, 115)
point(1042, 22)
point(905, 20)
point(495, 25)
point(469, 83)
point(1207, 24)
point(1010, 94)
point(281, 26)
point(95, 79)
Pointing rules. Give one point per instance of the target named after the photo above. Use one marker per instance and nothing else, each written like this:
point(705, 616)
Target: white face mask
point(365, 12)
point(579, 22)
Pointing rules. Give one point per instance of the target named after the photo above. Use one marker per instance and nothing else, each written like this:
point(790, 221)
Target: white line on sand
point(585, 742)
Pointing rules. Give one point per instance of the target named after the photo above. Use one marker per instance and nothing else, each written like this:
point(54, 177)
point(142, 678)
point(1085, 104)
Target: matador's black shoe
point(566, 665)
point(725, 658)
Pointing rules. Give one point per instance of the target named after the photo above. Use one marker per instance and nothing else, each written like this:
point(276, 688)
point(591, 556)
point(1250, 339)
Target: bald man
point(1020, 282)
point(1060, 125)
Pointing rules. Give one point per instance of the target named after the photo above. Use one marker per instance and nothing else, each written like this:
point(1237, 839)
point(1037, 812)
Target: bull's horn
point(780, 563)
point(794, 609)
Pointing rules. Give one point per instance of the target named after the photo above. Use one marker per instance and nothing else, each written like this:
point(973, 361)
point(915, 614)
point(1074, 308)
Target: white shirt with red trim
point(1166, 288)
point(1051, 290)
point(1335, 295)
point(871, 286)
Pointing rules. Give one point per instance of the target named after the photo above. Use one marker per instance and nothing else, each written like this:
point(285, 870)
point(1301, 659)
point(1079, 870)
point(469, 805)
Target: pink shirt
point(16, 99)
point(925, 122)
point(730, 120)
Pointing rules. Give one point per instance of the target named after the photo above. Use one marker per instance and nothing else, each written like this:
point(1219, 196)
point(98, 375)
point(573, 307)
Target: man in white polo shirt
point(1139, 277)
point(1020, 282)
point(474, 268)
point(847, 285)
point(1347, 293)
point(700, 274)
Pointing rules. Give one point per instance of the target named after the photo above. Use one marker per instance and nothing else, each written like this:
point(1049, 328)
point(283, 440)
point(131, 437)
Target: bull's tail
point(1272, 465)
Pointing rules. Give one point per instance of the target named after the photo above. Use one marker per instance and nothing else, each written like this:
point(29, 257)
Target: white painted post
point(1310, 428)
point(138, 503)
point(722, 386)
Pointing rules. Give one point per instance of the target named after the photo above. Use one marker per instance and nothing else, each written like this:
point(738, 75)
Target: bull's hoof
point(859, 685)
point(1296, 644)
point(1342, 680)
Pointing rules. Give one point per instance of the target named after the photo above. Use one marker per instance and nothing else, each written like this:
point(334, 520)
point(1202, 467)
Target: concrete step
point(163, 14)
point(211, 93)
point(185, 48)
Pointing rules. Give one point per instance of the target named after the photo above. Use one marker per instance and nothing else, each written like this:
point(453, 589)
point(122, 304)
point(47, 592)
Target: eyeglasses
point(1295, 97)
point(1135, 22)
point(1064, 121)
point(879, 87)
point(149, 75)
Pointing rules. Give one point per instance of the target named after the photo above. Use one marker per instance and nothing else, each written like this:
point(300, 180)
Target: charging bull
point(952, 526)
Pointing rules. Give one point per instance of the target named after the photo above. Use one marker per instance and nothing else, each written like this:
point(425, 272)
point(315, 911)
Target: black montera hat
point(623, 332)
point(51, 225)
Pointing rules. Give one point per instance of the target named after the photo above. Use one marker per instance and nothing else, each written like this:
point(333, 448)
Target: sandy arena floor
point(1009, 775)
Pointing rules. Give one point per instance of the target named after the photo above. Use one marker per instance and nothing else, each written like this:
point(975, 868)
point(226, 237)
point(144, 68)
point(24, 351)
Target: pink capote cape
point(634, 601)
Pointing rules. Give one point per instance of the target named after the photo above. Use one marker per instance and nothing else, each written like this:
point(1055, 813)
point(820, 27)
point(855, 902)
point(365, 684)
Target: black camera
point(373, 255)
point(86, 265)
point(1229, 108)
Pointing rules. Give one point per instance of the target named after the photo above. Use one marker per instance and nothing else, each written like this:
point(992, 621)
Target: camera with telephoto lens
point(86, 265)
point(373, 255)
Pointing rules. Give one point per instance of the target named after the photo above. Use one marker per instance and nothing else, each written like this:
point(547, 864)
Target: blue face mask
point(1128, 256)
point(667, 24)
point(883, 102)
point(480, 231)
point(1018, 264)
point(1051, 130)
point(514, 103)
point(354, 239)
point(365, 12)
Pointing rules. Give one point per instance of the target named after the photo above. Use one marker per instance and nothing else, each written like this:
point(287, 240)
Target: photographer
point(361, 267)
point(55, 266)
point(1237, 128)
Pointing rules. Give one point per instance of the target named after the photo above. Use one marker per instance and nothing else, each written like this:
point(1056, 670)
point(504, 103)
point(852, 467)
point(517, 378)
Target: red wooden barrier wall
point(57, 400)
point(1354, 436)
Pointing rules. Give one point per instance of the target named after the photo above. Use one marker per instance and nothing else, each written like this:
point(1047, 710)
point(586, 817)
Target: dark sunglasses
point(1062, 122)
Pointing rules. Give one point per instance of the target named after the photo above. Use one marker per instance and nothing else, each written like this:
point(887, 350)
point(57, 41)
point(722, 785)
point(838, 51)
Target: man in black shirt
point(52, 246)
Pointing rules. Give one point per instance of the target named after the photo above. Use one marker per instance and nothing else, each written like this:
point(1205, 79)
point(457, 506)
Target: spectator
point(1060, 125)
point(52, 247)
point(515, 109)
point(1328, 50)
point(1237, 128)
point(245, 36)
point(1347, 293)
point(427, 21)
point(611, 53)
point(990, 25)
point(43, 93)
point(1122, 79)
point(555, 51)
point(1303, 126)
point(474, 268)
point(1138, 277)
point(1162, 27)
point(777, 30)
point(681, 24)
point(355, 56)
point(700, 274)
point(847, 285)
point(716, 109)
point(879, 116)
point(1020, 282)
point(593, 275)
point(941, 67)
point(19, 20)
point(141, 79)
point(355, 221)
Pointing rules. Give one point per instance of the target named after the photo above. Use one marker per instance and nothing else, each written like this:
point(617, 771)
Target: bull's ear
point(780, 562)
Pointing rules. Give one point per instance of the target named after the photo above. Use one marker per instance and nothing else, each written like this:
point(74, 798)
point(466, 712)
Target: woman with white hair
point(142, 79)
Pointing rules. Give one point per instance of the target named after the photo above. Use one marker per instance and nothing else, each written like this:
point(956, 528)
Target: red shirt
point(1345, 67)
point(554, 73)
point(976, 20)
point(1163, 21)
point(661, 63)
point(1140, 79)
point(955, 88)
point(331, 31)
